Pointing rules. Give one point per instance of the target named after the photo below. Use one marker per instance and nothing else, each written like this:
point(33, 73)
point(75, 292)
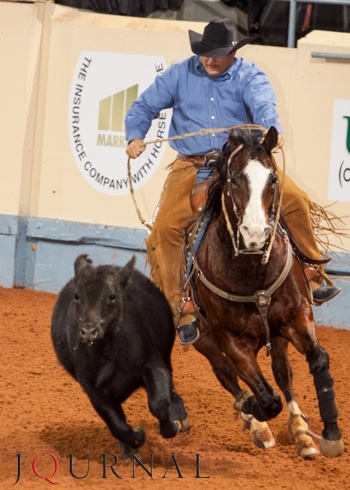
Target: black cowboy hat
point(217, 40)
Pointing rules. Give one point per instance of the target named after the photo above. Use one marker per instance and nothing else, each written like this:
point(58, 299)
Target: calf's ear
point(126, 271)
point(81, 262)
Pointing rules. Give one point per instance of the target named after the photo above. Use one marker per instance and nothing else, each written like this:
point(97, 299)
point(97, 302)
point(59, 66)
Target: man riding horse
point(212, 89)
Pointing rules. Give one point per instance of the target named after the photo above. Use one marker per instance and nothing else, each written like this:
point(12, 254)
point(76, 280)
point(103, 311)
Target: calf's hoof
point(185, 425)
point(137, 439)
point(168, 431)
point(128, 452)
point(131, 447)
point(331, 449)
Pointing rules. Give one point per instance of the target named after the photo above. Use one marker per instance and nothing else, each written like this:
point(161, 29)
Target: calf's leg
point(114, 417)
point(177, 409)
point(157, 381)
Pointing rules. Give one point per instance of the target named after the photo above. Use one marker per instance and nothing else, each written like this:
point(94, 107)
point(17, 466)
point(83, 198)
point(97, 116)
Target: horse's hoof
point(263, 439)
point(308, 452)
point(261, 434)
point(331, 449)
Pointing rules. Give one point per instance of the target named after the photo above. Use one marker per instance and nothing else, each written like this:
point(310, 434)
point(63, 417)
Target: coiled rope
point(205, 132)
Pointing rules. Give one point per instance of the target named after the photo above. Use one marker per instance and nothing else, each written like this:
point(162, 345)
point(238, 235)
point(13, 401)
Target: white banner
point(104, 86)
point(339, 170)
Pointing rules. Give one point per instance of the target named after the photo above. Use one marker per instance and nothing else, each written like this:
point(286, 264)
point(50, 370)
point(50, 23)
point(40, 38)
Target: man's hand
point(135, 148)
point(280, 141)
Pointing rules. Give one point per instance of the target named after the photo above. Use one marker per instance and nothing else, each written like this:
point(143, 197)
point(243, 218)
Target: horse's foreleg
point(331, 444)
point(221, 367)
point(265, 404)
point(223, 370)
point(297, 424)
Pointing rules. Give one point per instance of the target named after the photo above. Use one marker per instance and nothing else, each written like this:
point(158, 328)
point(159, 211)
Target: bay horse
point(246, 299)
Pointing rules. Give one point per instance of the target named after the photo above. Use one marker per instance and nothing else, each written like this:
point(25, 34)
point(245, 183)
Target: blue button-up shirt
point(243, 94)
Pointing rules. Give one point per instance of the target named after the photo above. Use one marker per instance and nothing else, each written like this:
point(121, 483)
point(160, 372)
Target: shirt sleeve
point(260, 99)
point(158, 96)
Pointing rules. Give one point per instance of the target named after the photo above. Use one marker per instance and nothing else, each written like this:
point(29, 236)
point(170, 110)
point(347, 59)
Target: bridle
point(272, 217)
point(261, 298)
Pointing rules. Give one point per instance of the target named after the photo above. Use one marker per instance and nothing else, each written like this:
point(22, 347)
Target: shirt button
point(213, 117)
point(212, 99)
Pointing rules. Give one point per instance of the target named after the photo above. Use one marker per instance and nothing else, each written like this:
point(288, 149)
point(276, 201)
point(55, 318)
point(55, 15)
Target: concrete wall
point(64, 187)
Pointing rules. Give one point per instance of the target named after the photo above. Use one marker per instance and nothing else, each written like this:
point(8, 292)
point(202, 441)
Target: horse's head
point(251, 185)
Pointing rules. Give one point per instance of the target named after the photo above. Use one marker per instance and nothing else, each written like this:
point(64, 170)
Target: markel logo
point(103, 88)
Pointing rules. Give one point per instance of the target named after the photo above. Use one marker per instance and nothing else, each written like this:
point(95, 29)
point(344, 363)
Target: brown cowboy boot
point(187, 326)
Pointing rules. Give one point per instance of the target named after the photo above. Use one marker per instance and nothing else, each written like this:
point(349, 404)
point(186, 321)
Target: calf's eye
point(112, 297)
point(76, 297)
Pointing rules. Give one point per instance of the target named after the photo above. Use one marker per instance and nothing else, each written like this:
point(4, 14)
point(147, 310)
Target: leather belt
point(196, 160)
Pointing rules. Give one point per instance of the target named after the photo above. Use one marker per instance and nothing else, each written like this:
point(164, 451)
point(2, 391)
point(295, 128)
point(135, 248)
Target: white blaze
point(254, 227)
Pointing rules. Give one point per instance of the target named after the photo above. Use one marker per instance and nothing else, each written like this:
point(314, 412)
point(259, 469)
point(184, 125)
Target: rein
point(201, 132)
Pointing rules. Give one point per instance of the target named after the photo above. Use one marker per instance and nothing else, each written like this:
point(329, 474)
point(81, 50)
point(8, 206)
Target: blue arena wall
point(39, 254)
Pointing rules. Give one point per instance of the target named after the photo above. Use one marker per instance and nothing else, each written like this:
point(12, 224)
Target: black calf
point(113, 331)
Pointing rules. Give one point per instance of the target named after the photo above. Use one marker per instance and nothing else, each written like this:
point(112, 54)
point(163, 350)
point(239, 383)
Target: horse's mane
point(250, 141)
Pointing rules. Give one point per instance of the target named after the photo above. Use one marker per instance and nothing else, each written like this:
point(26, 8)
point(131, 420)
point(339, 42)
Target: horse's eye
point(234, 180)
point(274, 180)
point(76, 297)
point(112, 297)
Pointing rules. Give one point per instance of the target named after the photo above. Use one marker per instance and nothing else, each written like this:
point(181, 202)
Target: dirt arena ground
point(45, 417)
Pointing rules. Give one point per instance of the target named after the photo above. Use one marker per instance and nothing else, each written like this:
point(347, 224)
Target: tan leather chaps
point(164, 244)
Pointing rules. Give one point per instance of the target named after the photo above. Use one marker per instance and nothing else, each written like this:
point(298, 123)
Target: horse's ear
point(233, 140)
point(271, 138)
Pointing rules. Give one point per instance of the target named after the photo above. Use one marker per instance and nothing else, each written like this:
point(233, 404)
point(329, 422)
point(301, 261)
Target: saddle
point(195, 232)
